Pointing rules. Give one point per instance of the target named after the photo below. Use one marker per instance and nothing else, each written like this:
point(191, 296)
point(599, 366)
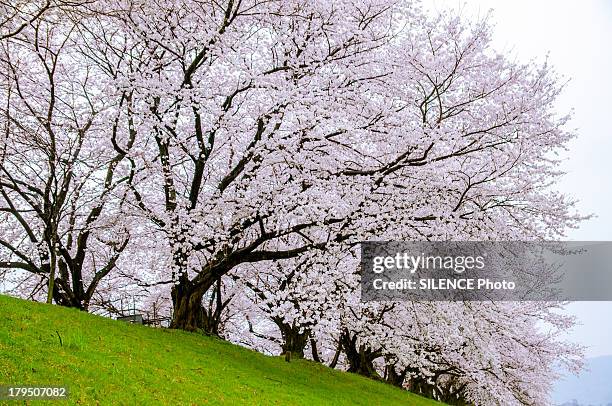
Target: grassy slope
point(111, 362)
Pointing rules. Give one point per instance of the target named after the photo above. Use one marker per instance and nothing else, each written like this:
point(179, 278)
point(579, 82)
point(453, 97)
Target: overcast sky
point(577, 35)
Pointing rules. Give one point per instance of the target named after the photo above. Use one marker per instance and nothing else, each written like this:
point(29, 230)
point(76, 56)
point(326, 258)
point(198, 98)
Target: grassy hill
point(106, 362)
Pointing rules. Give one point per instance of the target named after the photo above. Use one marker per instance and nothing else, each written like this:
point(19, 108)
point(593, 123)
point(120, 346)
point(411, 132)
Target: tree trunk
point(293, 341)
point(423, 388)
point(314, 350)
point(360, 359)
point(451, 393)
point(189, 312)
point(394, 378)
point(63, 296)
point(52, 265)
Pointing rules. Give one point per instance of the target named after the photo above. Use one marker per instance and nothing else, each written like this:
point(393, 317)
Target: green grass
point(109, 362)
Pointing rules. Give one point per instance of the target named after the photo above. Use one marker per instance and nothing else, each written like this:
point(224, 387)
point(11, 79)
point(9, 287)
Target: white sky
point(577, 35)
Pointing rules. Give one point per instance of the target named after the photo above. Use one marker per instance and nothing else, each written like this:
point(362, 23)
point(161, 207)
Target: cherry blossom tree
point(231, 156)
point(60, 191)
point(247, 119)
point(490, 132)
point(298, 295)
point(18, 15)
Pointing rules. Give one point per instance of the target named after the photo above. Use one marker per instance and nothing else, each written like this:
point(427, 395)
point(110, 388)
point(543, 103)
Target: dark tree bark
point(360, 358)
point(450, 392)
point(188, 294)
point(393, 377)
point(189, 312)
point(314, 350)
point(294, 341)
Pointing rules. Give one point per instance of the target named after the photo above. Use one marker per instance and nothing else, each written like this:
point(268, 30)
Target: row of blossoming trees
point(231, 156)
